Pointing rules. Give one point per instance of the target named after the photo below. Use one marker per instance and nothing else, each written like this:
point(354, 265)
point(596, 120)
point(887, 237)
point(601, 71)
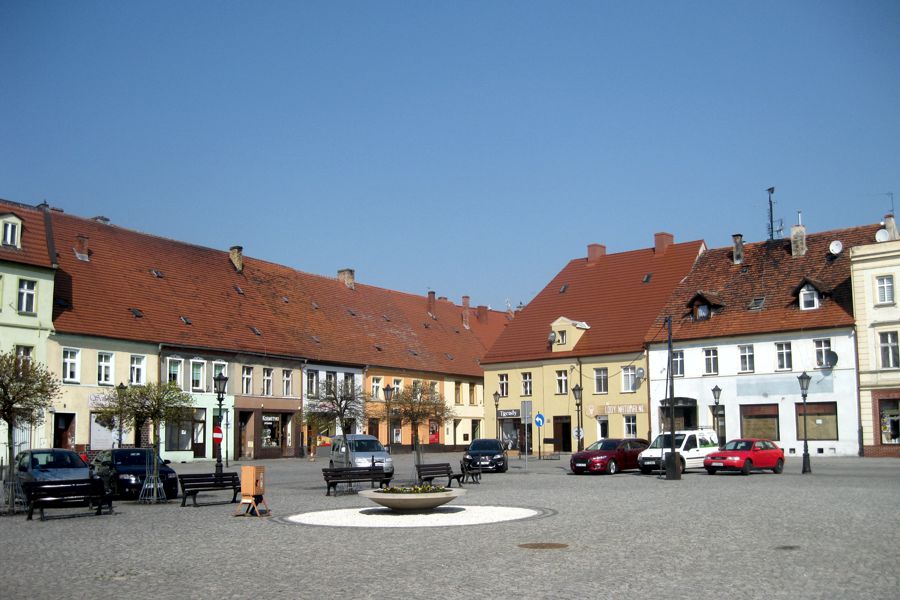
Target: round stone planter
point(403, 502)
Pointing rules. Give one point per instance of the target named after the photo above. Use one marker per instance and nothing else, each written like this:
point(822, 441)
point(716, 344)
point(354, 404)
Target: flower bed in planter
point(417, 497)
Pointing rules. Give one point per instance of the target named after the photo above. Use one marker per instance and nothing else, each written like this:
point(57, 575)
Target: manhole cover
point(787, 547)
point(543, 546)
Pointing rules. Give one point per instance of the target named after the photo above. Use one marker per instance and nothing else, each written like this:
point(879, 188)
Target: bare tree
point(27, 390)
point(344, 403)
point(417, 405)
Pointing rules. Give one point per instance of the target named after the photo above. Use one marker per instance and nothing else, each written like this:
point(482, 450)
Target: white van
point(361, 451)
point(692, 446)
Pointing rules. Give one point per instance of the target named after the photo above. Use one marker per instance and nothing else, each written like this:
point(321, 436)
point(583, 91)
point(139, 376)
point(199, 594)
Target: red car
point(608, 456)
point(745, 455)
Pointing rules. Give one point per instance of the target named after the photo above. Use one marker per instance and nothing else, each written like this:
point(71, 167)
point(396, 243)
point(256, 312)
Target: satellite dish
point(835, 247)
point(640, 372)
point(882, 235)
point(831, 358)
point(551, 339)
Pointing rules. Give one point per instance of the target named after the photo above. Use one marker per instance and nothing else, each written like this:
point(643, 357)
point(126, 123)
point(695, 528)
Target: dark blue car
point(123, 471)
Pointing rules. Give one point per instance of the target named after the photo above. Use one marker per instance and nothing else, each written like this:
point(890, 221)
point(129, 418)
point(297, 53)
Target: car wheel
point(612, 468)
point(711, 470)
point(646, 470)
point(745, 470)
point(779, 466)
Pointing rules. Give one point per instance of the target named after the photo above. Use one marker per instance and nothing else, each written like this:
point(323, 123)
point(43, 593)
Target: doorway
point(245, 434)
point(602, 427)
point(64, 430)
point(562, 432)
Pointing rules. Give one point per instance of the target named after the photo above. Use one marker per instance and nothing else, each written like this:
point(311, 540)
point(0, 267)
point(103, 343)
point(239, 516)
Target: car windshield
point(664, 440)
point(485, 446)
point(366, 446)
point(738, 445)
point(57, 459)
point(137, 458)
point(603, 445)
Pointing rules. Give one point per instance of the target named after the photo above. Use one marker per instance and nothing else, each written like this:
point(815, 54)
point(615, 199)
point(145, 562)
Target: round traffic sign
point(578, 433)
point(539, 420)
point(217, 435)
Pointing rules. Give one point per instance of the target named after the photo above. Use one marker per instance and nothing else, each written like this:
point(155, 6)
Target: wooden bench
point(335, 475)
point(428, 472)
point(66, 493)
point(208, 482)
point(472, 474)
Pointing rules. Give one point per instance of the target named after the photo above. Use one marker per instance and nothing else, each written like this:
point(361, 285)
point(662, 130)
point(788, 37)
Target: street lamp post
point(576, 391)
point(120, 391)
point(497, 412)
point(388, 394)
point(717, 391)
point(804, 388)
point(219, 382)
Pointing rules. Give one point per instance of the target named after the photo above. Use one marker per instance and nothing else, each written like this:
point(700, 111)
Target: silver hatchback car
point(361, 451)
point(50, 464)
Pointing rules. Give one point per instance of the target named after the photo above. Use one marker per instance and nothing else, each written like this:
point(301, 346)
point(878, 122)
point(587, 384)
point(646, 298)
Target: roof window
point(238, 289)
point(757, 303)
point(379, 347)
point(315, 306)
point(316, 339)
point(137, 313)
point(351, 312)
point(386, 318)
point(157, 273)
point(563, 289)
point(255, 330)
point(413, 352)
point(647, 277)
point(285, 299)
point(448, 355)
point(185, 320)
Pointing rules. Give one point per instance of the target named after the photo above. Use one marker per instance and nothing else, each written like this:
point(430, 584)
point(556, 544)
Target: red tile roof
point(768, 271)
point(296, 314)
point(34, 250)
point(609, 294)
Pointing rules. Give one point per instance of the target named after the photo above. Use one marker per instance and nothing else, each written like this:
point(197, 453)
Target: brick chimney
point(430, 303)
point(465, 311)
point(661, 241)
point(798, 240)
point(595, 251)
point(737, 251)
point(481, 313)
point(348, 277)
point(236, 254)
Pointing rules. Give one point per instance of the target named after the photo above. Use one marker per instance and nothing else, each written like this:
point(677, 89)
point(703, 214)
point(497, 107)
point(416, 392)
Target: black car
point(486, 454)
point(123, 471)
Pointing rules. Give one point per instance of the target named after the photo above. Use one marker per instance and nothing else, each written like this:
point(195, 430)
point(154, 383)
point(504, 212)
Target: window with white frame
point(287, 383)
point(526, 384)
point(246, 380)
point(504, 384)
point(784, 360)
point(561, 337)
point(350, 384)
point(198, 375)
point(677, 363)
point(174, 368)
point(27, 290)
point(267, 381)
point(601, 380)
point(398, 385)
point(748, 364)
point(823, 348)
point(376, 389)
point(629, 378)
point(331, 383)
point(24, 352)
point(220, 368)
point(890, 349)
point(885, 286)
point(137, 370)
point(630, 425)
point(71, 365)
point(104, 368)
point(10, 233)
point(312, 384)
point(562, 382)
point(809, 297)
point(710, 361)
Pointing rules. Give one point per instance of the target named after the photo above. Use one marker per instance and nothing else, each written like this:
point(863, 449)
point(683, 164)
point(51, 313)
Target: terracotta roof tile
point(767, 272)
point(34, 249)
point(612, 294)
point(296, 314)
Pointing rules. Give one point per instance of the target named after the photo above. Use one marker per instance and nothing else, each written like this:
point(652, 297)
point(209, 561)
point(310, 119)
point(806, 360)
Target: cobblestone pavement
point(831, 534)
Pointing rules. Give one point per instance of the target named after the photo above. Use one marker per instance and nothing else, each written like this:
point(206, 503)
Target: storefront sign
point(622, 409)
point(509, 413)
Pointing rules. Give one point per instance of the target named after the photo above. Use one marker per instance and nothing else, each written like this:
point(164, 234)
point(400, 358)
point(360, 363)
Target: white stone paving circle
point(444, 516)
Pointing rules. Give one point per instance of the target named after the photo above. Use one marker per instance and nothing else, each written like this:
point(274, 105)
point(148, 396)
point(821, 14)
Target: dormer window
point(809, 298)
point(702, 312)
point(12, 228)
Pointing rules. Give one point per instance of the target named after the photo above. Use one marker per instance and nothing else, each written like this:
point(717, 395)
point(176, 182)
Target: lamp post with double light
point(219, 383)
point(388, 394)
point(804, 388)
point(497, 412)
point(716, 392)
point(576, 391)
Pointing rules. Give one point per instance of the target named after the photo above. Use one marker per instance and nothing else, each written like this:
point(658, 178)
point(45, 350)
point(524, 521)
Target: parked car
point(50, 464)
point(691, 445)
point(608, 456)
point(746, 455)
point(124, 470)
point(486, 454)
point(360, 451)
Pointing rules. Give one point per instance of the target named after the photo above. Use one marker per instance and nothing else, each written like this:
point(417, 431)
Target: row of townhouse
point(103, 306)
point(745, 320)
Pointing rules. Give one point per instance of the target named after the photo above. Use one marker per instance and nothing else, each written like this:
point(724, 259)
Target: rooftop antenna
point(771, 191)
point(891, 195)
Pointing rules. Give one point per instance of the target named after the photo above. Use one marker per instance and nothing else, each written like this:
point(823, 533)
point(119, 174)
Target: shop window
point(178, 434)
point(821, 417)
point(760, 421)
point(271, 430)
point(889, 413)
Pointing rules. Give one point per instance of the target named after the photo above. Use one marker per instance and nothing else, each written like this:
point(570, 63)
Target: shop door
point(245, 435)
point(562, 431)
point(64, 430)
point(198, 433)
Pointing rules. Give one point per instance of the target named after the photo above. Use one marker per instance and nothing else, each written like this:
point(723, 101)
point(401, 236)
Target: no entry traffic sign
point(217, 435)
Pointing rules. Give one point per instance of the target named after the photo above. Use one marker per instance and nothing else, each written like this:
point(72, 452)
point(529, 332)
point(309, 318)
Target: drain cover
point(787, 547)
point(543, 546)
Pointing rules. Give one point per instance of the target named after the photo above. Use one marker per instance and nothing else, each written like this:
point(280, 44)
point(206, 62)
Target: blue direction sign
point(539, 420)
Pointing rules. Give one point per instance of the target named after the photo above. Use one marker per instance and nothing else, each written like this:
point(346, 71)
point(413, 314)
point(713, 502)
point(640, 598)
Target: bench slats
point(335, 475)
point(65, 494)
point(428, 472)
point(193, 483)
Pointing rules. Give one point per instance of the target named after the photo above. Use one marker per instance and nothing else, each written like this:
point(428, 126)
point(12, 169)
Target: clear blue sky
point(465, 147)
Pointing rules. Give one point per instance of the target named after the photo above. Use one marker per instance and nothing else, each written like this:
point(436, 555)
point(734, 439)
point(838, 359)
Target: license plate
point(485, 461)
point(717, 464)
point(580, 464)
